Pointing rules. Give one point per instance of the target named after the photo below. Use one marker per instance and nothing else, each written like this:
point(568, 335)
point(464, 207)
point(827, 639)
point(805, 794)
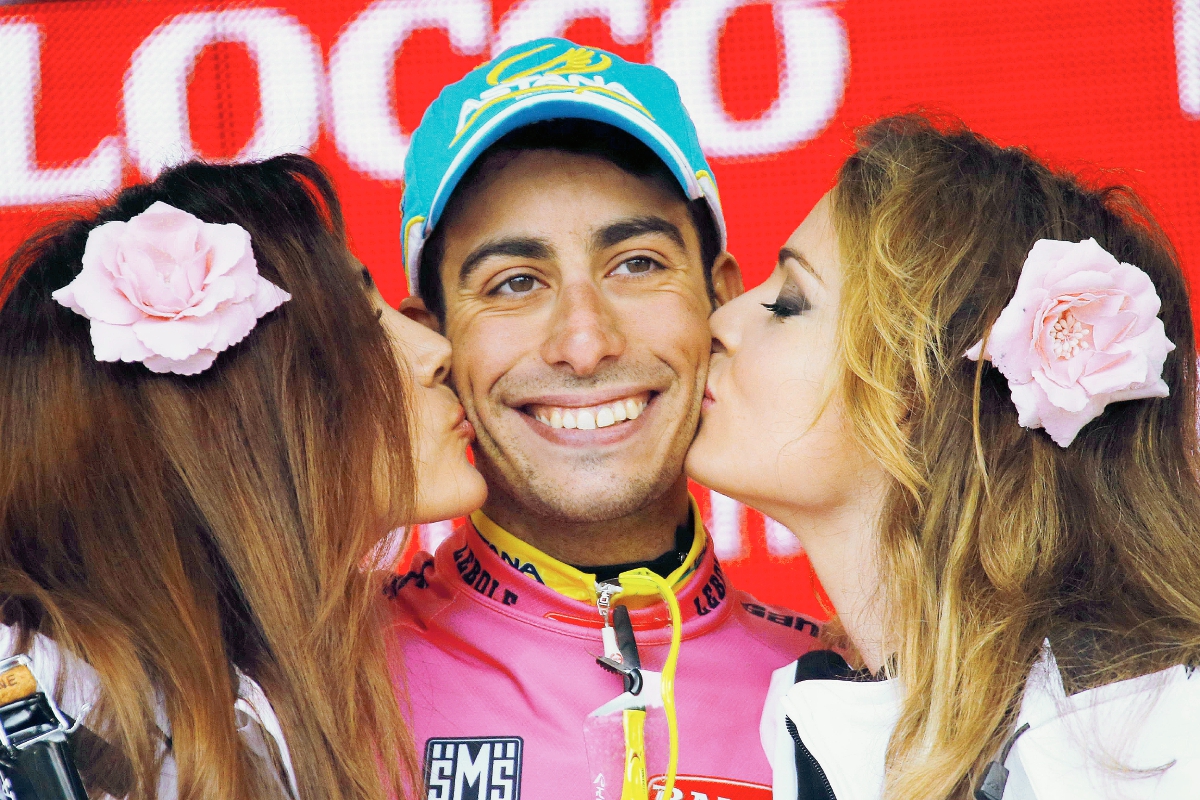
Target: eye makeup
point(790, 302)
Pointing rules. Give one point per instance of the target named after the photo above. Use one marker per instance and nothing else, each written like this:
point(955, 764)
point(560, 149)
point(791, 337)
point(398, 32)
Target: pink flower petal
point(193, 365)
point(103, 244)
point(177, 338)
point(1122, 371)
point(1081, 282)
point(168, 289)
point(1064, 426)
point(268, 297)
point(229, 248)
point(94, 297)
point(116, 343)
point(213, 295)
point(1029, 400)
point(235, 321)
point(1140, 298)
point(1093, 306)
point(1155, 388)
point(1043, 257)
point(1107, 330)
point(169, 229)
point(1067, 398)
point(1009, 343)
point(1118, 354)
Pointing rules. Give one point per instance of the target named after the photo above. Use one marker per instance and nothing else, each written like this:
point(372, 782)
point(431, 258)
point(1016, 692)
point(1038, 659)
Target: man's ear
point(727, 278)
point(414, 308)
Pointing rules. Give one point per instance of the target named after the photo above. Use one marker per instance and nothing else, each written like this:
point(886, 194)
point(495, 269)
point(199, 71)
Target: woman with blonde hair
point(210, 422)
point(969, 389)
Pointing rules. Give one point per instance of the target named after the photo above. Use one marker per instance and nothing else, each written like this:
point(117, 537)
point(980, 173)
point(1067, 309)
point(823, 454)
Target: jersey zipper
point(803, 752)
point(604, 593)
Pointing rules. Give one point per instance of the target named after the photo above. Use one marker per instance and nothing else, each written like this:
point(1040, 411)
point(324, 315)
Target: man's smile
point(591, 419)
point(587, 416)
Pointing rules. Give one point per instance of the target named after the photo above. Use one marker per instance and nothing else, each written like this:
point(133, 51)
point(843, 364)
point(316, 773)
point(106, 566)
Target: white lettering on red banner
point(289, 77)
point(816, 59)
point(21, 181)
point(361, 62)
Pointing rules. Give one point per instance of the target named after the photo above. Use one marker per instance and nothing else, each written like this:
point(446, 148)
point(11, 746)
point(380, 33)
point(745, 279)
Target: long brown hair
point(993, 538)
point(167, 529)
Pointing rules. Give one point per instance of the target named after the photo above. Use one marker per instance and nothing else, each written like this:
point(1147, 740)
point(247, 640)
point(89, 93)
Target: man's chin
point(590, 500)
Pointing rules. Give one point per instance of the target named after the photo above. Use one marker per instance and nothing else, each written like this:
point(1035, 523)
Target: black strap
point(662, 566)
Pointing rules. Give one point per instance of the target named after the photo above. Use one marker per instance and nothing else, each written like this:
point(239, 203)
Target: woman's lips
point(708, 400)
point(461, 425)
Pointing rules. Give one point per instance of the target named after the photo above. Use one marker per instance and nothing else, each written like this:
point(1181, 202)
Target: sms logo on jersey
point(476, 768)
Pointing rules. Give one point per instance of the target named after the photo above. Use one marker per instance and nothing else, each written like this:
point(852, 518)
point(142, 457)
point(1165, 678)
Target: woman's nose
point(724, 323)
point(428, 352)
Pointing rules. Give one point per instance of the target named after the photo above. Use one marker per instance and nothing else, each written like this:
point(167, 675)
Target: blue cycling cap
point(541, 80)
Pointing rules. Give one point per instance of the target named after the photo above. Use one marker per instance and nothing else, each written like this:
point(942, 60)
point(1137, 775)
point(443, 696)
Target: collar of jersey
point(572, 583)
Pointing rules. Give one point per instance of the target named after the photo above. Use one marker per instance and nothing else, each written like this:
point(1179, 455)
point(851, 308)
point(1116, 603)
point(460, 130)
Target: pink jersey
point(499, 643)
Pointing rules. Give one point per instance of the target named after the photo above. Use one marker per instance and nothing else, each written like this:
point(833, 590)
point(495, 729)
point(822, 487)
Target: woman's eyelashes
point(790, 302)
point(368, 281)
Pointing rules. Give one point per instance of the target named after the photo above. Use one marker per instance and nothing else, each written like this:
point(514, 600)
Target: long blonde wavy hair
point(993, 538)
point(170, 531)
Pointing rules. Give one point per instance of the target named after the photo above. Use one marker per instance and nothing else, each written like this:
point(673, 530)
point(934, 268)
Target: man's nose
point(584, 330)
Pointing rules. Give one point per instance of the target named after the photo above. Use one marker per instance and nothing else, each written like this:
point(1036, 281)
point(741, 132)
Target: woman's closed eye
point(790, 302)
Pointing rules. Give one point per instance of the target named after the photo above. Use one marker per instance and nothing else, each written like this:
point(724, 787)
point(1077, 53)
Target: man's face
point(577, 307)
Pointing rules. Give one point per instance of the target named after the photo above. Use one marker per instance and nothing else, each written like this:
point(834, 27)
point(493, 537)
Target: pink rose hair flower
point(169, 290)
point(1082, 331)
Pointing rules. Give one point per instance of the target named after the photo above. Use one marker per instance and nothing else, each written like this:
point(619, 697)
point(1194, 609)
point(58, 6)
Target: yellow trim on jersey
point(565, 579)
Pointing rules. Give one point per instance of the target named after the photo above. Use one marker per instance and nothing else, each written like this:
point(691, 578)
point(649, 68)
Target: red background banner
point(94, 95)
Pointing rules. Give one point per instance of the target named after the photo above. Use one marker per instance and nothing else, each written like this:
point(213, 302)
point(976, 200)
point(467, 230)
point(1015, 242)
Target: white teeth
point(586, 419)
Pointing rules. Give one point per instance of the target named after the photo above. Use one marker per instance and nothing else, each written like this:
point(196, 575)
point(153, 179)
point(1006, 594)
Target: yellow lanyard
point(635, 785)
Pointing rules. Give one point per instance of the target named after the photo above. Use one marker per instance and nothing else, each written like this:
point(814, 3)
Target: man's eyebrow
point(517, 246)
point(616, 232)
point(787, 253)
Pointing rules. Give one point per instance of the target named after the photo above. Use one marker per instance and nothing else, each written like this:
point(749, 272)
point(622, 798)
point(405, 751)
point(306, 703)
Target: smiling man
point(563, 229)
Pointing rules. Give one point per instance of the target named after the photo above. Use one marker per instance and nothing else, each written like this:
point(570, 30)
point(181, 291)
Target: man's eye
point(519, 284)
point(636, 266)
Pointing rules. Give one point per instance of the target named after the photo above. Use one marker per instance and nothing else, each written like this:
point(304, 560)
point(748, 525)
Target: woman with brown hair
point(211, 421)
point(969, 389)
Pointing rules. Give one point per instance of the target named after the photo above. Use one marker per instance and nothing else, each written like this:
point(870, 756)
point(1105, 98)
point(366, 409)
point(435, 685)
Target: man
point(562, 228)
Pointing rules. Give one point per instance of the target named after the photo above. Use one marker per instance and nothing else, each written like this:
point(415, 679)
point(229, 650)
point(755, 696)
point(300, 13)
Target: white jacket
point(1130, 740)
point(257, 724)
